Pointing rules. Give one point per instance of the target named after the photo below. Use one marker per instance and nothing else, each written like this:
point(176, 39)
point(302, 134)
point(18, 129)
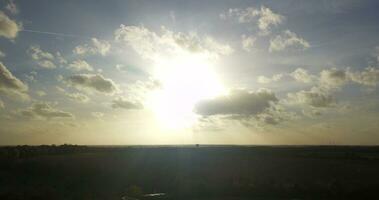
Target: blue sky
point(179, 72)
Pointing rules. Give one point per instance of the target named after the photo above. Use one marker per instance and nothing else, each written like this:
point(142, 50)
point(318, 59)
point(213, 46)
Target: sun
point(186, 79)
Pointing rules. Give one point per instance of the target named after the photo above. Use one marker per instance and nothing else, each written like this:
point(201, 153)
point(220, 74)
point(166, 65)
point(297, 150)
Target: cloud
point(78, 97)
point(44, 110)
point(140, 90)
point(263, 17)
point(12, 86)
point(41, 93)
point(8, 28)
point(368, 77)
point(2, 54)
point(97, 115)
point(238, 102)
point(333, 78)
point(12, 7)
point(248, 42)
point(121, 68)
point(60, 58)
point(96, 46)
point(31, 77)
point(266, 80)
point(79, 65)
point(93, 82)
point(315, 97)
point(288, 41)
point(123, 103)
point(153, 45)
point(43, 58)
point(302, 75)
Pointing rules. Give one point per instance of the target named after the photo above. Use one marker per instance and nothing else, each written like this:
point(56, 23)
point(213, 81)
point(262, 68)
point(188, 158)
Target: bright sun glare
point(186, 79)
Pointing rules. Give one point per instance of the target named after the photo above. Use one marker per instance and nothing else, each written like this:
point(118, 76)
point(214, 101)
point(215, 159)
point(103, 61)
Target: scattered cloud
point(92, 82)
point(60, 58)
point(12, 7)
point(41, 93)
point(45, 111)
point(153, 45)
point(96, 46)
point(238, 102)
point(263, 17)
point(43, 58)
point(80, 65)
point(248, 42)
point(123, 103)
point(266, 80)
point(2, 54)
point(302, 75)
point(12, 86)
point(8, 28)
point(121, 68)
point(333, 78)
point(315, 97)
point(368, 77)
point(78, 97)
point(1, 104)
point(97, 115)
point(288, 40)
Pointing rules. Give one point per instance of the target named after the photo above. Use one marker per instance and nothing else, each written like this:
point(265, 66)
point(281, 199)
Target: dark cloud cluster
point(238, 102)
point(314, 97)
point(94, 82)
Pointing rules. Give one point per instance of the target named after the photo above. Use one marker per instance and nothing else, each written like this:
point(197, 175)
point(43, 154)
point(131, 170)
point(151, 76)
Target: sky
point(128, 72)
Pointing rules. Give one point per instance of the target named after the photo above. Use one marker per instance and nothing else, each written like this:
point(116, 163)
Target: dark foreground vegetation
point(189, 172)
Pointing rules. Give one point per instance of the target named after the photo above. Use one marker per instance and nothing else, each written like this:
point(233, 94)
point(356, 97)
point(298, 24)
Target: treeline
point(26, 151)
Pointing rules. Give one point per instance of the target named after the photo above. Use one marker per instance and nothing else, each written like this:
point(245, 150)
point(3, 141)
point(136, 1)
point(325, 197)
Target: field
point(188, 172)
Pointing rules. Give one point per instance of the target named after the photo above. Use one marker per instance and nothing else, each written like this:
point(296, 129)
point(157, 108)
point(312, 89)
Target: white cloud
point(79, 65)
point(266, 80)
point(288, 41)
point(121, 68)
point(92, 82)
point(45, 111)
point(333, 78)
point(43, 58)
point(368, 77)
point(315, 97)
point(41, 93)
point(8, 28)
point(248, 42)
point(263, 17)
point(151, 45)
point(2, 54)
point(123, 103)
point(78, 97)
point(60, 58)
point(302, 75)
point(12, 86)
point(47, 64)
point(96, 46)
point(97, 115)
